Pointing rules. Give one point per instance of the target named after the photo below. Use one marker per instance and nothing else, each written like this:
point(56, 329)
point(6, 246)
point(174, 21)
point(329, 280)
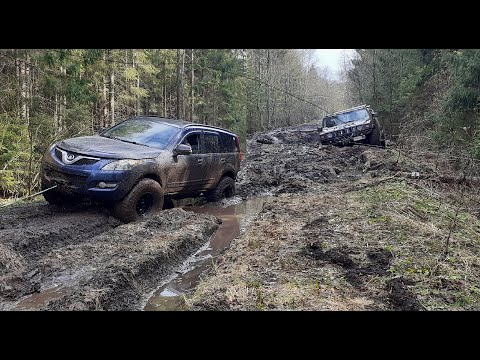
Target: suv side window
point(193, 140)
point(211, 143)
point(227, 143)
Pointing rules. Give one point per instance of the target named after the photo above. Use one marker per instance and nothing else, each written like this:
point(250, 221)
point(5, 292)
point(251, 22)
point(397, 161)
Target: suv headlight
point(119, 165)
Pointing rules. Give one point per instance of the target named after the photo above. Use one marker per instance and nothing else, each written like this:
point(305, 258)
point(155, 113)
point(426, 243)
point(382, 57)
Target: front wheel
point(224, 189)
point(145, 199)
point(376, 136)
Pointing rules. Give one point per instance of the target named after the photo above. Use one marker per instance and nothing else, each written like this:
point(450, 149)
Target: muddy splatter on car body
point(139, 161)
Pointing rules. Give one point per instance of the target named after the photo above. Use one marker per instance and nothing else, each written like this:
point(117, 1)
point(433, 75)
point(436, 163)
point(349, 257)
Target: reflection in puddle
point(36, 301)
point(171, 296)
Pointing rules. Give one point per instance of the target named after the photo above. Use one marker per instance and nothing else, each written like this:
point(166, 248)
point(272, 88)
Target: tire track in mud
point(82, 258)
point(35, 229)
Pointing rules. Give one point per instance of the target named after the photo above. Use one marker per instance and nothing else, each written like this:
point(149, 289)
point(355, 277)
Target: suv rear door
point(190, 171)
point(213, 158)
point(230, 152)
point(221, 155)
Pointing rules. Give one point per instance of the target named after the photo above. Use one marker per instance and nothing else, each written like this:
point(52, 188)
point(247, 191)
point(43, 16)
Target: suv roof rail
point(209, 126)
point(185, 123)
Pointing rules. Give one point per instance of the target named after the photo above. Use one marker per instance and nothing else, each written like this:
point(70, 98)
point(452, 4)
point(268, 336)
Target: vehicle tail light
point(240, 155)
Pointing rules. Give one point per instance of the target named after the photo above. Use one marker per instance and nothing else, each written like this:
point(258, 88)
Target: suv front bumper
point(346, 135)
point(87, 180)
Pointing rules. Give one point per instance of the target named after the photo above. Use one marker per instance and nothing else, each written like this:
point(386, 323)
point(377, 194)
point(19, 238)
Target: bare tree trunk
point(112, 96)
point(63, 102)
point(259, 110)
point(104, 117)
point(164, 88)
point(268, 89)
point(127, 85)
point(178, 85)
point(55, 115)
point(19, 84)
point(137, 96)
point(192, 95)
point(180, 70)
point(374, 64)
point(23, 97)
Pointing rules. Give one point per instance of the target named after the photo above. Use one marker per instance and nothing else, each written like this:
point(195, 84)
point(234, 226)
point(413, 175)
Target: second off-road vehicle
point(357, 124)
point(136, 163)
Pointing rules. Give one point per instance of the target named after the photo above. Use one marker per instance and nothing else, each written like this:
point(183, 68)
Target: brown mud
point(346, 228)
point(97, 262)
point(343, 228)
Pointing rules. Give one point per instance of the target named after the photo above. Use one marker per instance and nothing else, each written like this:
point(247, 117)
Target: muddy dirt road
point(82, 258)
point(313, 228)
point(347, 228)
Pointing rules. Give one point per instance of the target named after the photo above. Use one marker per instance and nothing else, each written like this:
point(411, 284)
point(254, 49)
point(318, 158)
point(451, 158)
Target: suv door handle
point(199, 161)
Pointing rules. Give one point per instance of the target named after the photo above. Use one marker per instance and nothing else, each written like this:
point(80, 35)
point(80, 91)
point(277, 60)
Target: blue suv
point(136, 163)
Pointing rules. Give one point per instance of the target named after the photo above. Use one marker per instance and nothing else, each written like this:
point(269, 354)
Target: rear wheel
point(145, 199)
point(224, 189)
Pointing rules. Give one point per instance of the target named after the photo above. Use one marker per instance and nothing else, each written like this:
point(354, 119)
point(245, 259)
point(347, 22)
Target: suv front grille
point(82, 160)
point(85, 161)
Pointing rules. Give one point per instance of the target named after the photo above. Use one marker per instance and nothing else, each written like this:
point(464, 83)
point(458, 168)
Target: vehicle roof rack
point(184, 123)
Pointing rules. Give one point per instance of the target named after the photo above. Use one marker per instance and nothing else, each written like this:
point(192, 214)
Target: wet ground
point(313, 228)
point(174, 294)
point(84, 259)
point(347, 228)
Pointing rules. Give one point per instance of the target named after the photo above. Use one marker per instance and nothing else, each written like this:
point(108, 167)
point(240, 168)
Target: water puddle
point(55, 288)
point(38, 300)
point(235, 216)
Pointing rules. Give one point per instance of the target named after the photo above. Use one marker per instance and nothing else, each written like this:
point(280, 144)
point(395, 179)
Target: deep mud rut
point(84, 259)
point(337, 228)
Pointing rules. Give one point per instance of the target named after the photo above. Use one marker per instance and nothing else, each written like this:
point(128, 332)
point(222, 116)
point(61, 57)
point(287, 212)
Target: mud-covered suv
point(358, 124)
point(135, 164)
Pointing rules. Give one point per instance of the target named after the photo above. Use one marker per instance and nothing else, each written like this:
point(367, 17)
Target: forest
point(427, 99)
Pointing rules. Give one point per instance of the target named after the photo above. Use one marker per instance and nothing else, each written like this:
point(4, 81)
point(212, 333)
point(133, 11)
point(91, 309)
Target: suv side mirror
point(182, 149)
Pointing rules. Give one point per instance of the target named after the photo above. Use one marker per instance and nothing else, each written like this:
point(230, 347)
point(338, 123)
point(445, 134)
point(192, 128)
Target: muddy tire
point(224, 189)
point(376, 136)
point(145, 199)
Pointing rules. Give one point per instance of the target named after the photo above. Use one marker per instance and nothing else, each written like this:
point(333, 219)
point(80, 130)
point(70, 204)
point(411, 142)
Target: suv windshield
point(356, 115)
point(144, 132)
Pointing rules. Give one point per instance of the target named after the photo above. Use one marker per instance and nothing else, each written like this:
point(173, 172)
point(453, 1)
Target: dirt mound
point(293, 168)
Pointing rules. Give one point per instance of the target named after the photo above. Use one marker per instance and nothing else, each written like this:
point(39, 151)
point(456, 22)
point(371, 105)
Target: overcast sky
point(331, 58)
